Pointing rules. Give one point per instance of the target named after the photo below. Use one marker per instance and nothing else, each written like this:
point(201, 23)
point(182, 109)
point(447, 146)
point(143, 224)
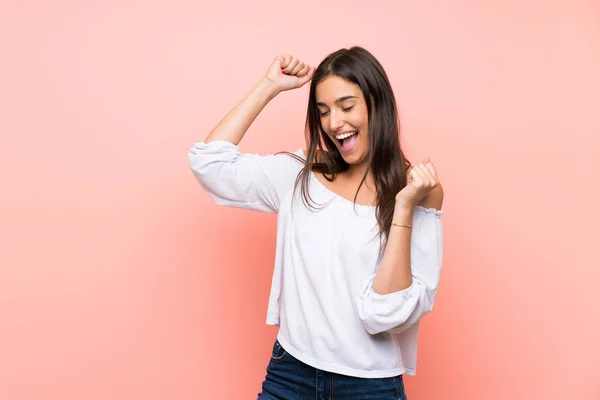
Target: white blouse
point(322, 296)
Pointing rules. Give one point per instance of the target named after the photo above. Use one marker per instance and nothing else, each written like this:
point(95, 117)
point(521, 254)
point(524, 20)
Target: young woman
point(359, 234)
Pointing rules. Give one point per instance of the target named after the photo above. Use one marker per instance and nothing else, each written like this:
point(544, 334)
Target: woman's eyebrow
point(343, 98)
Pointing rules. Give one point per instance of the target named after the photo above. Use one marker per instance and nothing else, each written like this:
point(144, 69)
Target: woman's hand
point(287, 72)
point(422, 179)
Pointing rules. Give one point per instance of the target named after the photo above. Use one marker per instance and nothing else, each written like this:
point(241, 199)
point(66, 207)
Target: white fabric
point(321, 296)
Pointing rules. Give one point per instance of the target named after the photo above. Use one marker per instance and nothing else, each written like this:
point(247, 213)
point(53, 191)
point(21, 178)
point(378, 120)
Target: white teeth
point(344, 135)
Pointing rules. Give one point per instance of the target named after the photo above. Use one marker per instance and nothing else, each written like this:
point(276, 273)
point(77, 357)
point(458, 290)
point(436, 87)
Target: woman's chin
point(353, 158)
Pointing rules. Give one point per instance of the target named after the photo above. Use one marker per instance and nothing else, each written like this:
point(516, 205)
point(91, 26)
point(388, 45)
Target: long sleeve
point(243, 180)
point(395, 312)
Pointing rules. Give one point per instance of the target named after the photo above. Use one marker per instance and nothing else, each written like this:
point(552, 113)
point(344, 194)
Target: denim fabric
point(290, 379)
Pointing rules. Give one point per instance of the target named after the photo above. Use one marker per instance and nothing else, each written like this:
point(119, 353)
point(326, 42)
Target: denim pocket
point(278, 353)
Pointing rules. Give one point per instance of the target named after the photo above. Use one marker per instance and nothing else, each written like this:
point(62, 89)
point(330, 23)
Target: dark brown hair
point(386, 161)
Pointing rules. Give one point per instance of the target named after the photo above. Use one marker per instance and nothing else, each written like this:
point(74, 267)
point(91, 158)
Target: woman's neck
point(355, 173)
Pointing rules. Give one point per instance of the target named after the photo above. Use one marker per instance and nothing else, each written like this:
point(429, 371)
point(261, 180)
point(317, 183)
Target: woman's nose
point(335, 121)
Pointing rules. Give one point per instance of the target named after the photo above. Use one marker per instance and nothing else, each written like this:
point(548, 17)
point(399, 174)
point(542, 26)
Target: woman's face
point(344, 117)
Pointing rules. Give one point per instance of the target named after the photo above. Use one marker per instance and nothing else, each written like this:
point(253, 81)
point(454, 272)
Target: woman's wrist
point(403, 214)
point(269, 87)
point(403, 206)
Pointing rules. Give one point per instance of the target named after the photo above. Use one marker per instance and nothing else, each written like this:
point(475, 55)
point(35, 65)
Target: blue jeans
point(290, 379)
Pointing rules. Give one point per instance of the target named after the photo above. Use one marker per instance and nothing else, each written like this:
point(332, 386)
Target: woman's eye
point(324, 113)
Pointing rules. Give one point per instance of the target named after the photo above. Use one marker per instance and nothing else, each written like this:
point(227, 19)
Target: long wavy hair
point(386, 161)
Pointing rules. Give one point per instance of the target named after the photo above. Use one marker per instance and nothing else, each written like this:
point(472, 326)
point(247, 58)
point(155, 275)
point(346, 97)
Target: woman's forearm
point(237, 121)
point(394, 273)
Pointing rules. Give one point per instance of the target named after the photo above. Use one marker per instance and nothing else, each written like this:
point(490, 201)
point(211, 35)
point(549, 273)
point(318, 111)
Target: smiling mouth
point(347, 140)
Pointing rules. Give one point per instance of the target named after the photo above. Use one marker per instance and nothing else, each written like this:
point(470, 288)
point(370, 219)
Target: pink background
point(120, 279)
